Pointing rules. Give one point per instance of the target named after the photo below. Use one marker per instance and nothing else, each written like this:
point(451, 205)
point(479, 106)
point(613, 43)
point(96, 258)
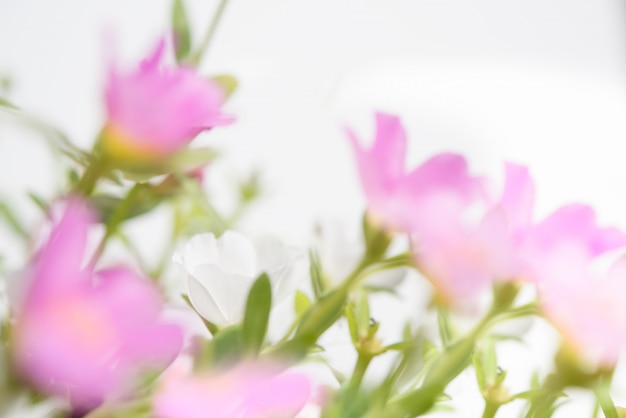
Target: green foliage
point(182, 33)
point(302, 303)
point(257, 314)
point(227, 82)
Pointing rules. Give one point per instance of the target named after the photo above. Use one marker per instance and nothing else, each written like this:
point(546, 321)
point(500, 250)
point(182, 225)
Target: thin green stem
point(362, 363)
point(196, 57)
point(90, 177)
point(603, 396)
point(541, 406)
point(491, 409)
point(115, 220)
point(192, 188)
point(452, 361)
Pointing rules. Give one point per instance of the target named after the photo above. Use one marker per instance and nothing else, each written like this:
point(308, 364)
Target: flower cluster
point(226, 326)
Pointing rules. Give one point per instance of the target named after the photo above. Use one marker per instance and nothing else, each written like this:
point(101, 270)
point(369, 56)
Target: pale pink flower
point(408, 201)
point(82, 335)
point(560, 246)
point(462, 258)
point(589, 312)
point(246, 391)
point(157, 110)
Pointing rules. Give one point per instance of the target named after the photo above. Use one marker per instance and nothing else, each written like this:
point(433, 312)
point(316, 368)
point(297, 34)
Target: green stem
point(541, 406)
point(491, 409)
point(90, 177)
point(452, 361)
point(115, 220)
point(192, 189)
point(601, 390)
point(196, 58)
point(362, 363)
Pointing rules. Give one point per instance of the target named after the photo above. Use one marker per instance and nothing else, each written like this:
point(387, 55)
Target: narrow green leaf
point(352, 326)
point(445, 327)
point(257, 314)
point(7, 104)
point(182, 34)
point(191, 158)
point(317, 281)
point(322, 315)
point(429, 351)
point(38, 201)
point(490, 362)
point(12, 221)
point(227, 347)
point(362, 313)
point(302, 303)
point(401, 346)
point(227, 82)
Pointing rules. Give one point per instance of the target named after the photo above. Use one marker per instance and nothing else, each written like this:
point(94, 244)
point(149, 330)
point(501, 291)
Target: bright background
point(537, 82)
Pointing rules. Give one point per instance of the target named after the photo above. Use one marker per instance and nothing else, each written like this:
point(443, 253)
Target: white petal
point(237, 254)
point(387, 278)
point(287, 278)
point(200, 249)
point(340, 247)
point(285, 265)
point(218, 296)
point(272, 253)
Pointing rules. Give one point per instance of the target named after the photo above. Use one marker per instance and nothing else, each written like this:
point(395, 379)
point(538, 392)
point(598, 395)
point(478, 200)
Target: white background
point(539, 82)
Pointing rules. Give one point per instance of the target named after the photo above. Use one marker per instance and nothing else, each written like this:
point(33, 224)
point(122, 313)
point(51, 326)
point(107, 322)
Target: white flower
point(341, 249)
point(221, 271)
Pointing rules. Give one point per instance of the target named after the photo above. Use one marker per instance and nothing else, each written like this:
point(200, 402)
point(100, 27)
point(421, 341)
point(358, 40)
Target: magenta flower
point(82, 335)
point(156, 111)
point(248, 391)
point(589, 312)
point(462, 258)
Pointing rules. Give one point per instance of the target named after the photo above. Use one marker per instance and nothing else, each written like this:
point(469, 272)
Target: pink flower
point(247, 391)
point(462, 258)
point(155, 111)
point(560, 246)
point(589, 312)
point(84, 335)
point(405, 201)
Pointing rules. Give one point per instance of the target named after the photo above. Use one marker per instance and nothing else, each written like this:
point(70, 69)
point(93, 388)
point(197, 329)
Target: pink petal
point(518, 196)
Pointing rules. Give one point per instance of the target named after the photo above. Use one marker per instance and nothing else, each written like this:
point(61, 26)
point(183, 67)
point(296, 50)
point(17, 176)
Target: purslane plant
point(94, 339)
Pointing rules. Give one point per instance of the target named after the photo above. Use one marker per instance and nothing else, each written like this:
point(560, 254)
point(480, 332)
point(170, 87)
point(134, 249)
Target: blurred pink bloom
point(82, 335)
point(247, 391)
point(156, 111)
point(462, 258)
point(560, 246)
point(590, 313)
point(405, 201)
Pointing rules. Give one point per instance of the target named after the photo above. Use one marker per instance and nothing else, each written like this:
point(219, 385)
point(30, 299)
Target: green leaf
point(314, 322)
point(227, 347)
point(362, 313)
point(227, 82)
point(7, 104)
point(322, 315)
point(302, 303)
point(182, 34)
point(257, 314)
point(352, 326)
point(445, 327)
point(189, 159)
point(107, 205)
point(401, 346)
point(11, 219)
point(317, 279)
